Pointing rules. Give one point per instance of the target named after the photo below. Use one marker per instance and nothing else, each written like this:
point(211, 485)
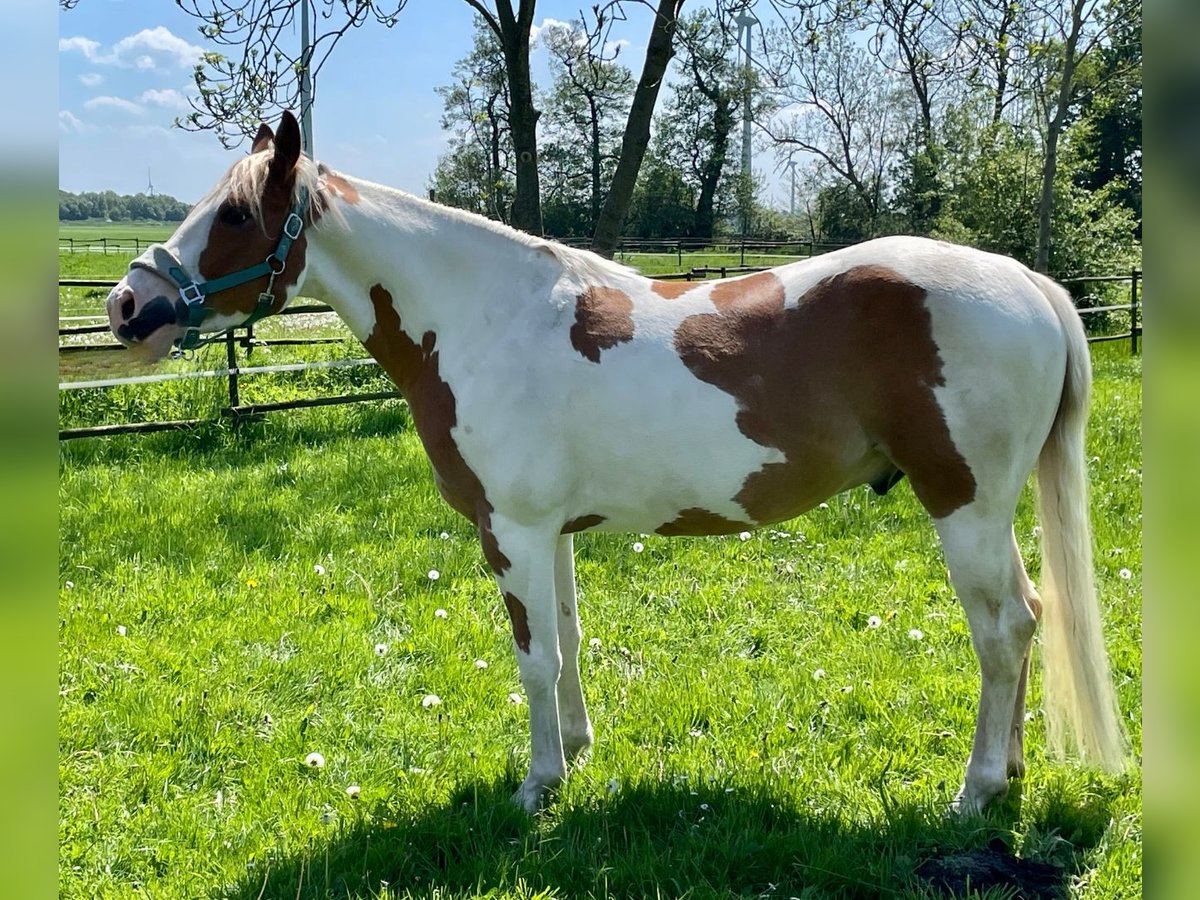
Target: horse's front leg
point(527, 582)
point(572, 711)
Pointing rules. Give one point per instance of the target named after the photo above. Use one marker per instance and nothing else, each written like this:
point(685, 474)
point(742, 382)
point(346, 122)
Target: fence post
point(679, 252)
point(1133, 311)
point(231, 362)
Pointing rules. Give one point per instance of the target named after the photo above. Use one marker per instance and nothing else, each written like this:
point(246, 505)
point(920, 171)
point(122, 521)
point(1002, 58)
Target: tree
point(704, 111)
point(588, 95)
point(915, 41)
point(637, 128)
point(1072, 33)
point(477, 173)
point(836, 104)
point(1109, 128)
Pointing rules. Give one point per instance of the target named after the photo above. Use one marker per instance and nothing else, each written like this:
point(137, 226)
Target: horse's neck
point(442, 268)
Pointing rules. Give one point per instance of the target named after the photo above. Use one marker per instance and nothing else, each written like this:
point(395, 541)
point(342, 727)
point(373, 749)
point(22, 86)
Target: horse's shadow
point(681, 840)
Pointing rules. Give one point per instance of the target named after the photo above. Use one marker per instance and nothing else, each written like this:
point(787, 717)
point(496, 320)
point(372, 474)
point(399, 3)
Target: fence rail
point(238, 412)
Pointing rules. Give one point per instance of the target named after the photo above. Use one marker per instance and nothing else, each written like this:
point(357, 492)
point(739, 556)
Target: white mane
point(247, 179)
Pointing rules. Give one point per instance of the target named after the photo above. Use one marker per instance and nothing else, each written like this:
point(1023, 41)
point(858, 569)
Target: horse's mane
point(247, 179)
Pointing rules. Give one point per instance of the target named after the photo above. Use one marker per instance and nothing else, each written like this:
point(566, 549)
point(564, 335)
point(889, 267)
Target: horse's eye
point(234, 215)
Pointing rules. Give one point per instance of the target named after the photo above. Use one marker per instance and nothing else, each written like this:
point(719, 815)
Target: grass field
point(232, 602)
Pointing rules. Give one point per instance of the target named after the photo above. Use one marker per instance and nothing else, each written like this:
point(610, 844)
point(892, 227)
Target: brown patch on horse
point(602, 320)
point(230, 248)
point(336, 183)
point(581, 523)
point(842, 384)
point(696, 521)
point(759, 288)
point(496, 560)
point(669, 290)
point(414, 369)
point(520, 620)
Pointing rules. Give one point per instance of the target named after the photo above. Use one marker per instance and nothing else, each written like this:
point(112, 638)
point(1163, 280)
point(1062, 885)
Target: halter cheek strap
point(190, 309)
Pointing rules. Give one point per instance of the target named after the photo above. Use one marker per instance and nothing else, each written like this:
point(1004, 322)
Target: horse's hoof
point(972, 800)
point(529, 796)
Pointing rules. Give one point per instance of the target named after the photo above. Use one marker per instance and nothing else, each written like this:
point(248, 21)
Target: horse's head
point(238, 256)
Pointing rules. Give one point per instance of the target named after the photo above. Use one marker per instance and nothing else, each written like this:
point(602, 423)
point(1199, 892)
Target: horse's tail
point(1077, 688)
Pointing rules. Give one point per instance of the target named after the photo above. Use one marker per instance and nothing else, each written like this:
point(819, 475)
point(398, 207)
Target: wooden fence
point(237, 411)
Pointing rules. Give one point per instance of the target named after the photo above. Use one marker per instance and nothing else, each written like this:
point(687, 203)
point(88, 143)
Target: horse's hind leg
point(1016, 741)
point(991, 589)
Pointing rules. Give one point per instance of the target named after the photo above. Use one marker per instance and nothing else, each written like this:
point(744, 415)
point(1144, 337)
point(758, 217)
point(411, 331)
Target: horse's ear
point(263, 138)
point(287, 146)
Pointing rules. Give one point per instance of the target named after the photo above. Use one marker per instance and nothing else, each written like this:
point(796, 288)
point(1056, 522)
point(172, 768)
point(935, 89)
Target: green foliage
point(991, 203)
point(116, 207)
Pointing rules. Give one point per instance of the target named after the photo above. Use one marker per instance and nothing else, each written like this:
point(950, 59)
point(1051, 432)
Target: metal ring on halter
point(271, 260)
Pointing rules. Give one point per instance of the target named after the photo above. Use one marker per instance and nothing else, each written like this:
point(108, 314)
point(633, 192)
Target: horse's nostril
point(127, 307)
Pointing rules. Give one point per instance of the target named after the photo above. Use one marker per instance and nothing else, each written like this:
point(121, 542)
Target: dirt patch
point(979, 870)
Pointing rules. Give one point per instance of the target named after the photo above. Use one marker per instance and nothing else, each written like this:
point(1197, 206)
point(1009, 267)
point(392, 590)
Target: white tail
point(1080, 703)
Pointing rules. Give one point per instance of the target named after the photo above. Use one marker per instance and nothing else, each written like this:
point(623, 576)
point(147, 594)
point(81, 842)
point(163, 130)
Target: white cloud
point(86, 46)
point(146, 49)
point(158, 40)
point(68, 121)
point(168, 97)
point(118, 103)
point(91, 79)
point(548, 24)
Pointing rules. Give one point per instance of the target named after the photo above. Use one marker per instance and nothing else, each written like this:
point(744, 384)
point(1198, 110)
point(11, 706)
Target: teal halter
point(190, 310)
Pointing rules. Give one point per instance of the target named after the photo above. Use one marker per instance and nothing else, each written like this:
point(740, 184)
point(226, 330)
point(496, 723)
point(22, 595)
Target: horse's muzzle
point(149, 328)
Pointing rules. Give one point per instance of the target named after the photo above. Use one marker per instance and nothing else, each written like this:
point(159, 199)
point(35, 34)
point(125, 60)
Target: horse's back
point(747, 401)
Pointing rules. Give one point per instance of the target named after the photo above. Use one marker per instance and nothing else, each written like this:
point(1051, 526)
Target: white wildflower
point(514, 698)
point(121, 630)
point(445, 535)
point(915, 634)
point(481, 664)
point(381, 649)
point(638, 546)
point(744, 536)
point(1126, 574)
point(594, 644)
point(314, 760)
point(434, 574)
point(874, 622)
point(818, 674)
point(430, 700)
point(440, 613)
point(319, 569)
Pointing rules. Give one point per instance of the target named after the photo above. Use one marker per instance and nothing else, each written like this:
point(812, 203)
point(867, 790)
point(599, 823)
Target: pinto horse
point(556, 392)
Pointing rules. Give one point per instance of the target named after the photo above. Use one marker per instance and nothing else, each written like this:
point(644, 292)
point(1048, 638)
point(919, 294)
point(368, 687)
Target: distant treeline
point(120, 207)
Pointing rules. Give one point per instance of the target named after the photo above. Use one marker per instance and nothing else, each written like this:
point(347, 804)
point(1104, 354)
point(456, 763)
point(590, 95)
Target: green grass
point(723, 766)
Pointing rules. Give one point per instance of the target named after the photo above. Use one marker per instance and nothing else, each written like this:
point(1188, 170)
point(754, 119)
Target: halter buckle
point(191, 293)
point(293, 225)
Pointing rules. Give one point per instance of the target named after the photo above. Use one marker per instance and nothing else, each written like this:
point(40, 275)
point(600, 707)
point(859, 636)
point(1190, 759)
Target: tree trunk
point(713, 167)
point(514, 37)
point(637, 128)
point(1054, 127)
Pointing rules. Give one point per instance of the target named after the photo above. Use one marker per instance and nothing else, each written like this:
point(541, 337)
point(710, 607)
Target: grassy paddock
point(232, 602)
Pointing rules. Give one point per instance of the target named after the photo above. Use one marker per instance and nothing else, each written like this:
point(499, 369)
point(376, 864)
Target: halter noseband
point(190, 310)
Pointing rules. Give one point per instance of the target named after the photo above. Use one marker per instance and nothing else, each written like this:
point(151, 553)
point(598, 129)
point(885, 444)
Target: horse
point(557, 392)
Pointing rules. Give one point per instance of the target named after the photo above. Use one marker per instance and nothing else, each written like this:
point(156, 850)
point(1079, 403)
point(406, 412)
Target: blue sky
point(125, 72)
